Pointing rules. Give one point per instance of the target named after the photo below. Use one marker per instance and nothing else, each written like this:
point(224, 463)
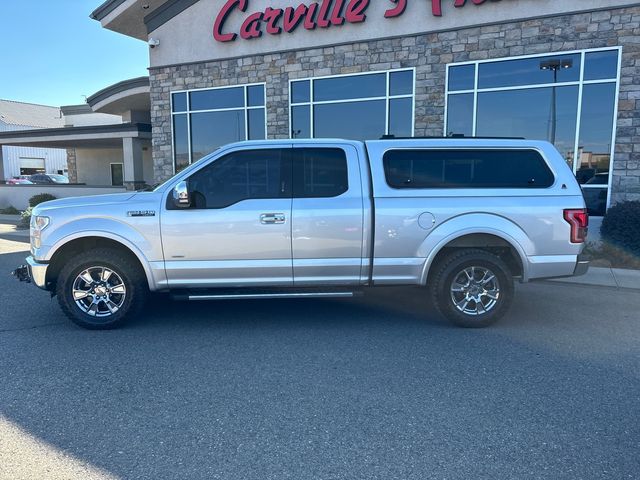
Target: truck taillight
point(579, 221)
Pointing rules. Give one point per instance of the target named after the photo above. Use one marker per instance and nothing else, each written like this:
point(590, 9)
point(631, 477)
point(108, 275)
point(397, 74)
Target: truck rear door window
point(319, 172)
point(466, 169)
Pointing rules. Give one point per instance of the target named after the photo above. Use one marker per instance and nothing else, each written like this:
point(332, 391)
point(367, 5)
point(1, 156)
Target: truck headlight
point(38, 224)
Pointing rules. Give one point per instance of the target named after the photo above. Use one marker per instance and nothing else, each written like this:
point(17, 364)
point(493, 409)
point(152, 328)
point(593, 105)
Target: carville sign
point(320, 14)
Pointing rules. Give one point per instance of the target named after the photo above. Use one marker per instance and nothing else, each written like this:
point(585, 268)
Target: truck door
point(237, 232)
point(327, 216)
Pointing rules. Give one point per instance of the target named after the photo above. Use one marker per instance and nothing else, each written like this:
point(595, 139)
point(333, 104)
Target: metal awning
point(99, 136)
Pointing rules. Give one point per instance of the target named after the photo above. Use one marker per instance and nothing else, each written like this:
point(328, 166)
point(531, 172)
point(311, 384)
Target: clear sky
point(52, 53)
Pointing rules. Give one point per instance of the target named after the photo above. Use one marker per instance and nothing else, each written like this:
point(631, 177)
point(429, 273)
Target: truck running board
point(261, 294)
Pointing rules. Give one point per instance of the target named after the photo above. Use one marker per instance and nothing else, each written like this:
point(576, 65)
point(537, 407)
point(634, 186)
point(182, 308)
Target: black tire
point(126, 276)
point(456, 295)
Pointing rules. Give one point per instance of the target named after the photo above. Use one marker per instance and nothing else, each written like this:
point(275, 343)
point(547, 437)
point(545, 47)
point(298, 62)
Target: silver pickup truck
point(462, 218)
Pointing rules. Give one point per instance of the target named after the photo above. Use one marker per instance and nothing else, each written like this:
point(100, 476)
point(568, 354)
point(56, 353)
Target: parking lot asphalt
point(374, 388)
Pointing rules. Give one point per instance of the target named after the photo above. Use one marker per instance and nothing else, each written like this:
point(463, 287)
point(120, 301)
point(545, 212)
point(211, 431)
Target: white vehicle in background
point(460, 217)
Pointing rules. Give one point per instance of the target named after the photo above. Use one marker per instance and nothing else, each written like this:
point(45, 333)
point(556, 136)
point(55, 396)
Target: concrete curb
point(606, 277)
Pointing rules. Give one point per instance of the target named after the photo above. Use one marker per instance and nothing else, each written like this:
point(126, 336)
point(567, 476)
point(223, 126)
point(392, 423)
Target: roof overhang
point(129, 95)
point(126, 16)
point(102, 136)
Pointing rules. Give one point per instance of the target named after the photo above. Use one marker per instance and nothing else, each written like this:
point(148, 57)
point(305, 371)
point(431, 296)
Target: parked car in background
point(19, 180)
point(48, 179)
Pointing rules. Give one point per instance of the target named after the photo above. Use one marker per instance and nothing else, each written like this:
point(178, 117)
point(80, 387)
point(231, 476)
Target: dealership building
point(564, 71)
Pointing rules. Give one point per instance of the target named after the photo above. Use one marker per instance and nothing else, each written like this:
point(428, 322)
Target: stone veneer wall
point(72, 165)
point(429, 54)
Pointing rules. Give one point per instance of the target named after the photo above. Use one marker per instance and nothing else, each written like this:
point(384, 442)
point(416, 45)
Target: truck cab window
point(319, 172)
point(238, 176)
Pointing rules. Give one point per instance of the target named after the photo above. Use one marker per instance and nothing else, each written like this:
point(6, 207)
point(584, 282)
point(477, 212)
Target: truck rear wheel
point(99, 289)
point(472, 288)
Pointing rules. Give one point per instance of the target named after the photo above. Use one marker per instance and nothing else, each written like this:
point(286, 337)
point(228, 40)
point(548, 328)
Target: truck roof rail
point(455, 136)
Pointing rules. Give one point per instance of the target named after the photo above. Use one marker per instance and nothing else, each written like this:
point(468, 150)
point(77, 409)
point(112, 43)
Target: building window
point(567, 98)
point(360, 107)
point(117, 174)
point(204, 120)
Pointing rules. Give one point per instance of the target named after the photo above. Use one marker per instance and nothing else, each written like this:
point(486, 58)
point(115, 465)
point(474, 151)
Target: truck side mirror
point(181, 197)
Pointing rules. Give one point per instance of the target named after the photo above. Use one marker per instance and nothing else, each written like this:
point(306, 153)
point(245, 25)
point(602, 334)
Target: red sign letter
point(355, 11)
point(222, 16)
point(251, 26)
point(397, 10)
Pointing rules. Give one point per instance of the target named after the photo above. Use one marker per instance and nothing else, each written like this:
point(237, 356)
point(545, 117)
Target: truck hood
point(88, 201)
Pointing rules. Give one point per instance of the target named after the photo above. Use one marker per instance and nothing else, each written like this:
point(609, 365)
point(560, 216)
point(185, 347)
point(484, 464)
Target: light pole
point(554, 65)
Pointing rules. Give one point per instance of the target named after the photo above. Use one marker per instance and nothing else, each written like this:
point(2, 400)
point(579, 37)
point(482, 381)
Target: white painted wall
point(18, 195)
point(94, 164)
point(188, 37)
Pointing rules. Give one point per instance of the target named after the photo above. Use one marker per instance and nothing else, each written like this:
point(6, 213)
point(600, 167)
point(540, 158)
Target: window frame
point(580, 83)
point(387, 97)
point(188, 112)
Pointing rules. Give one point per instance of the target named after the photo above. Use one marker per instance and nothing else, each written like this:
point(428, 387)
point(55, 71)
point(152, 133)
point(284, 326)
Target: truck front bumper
point(34, 272)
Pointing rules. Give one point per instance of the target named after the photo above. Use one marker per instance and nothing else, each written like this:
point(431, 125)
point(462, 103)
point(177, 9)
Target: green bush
point(621, 228)
point(40, 198)
point(10, 210)
point(25, 218)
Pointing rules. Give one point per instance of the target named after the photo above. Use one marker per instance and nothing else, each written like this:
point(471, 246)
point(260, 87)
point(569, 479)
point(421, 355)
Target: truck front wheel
point(472, 288)
point(99, 289)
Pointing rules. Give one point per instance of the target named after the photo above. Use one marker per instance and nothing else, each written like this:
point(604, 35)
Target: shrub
point(621, 228)
point(10, 210)
point(40, 198)
point(25, 218)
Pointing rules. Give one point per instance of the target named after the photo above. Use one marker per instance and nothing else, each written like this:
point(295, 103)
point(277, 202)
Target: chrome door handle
point(272, 218)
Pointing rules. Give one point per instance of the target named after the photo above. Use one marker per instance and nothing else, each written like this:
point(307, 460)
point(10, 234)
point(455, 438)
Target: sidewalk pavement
point(605, 277)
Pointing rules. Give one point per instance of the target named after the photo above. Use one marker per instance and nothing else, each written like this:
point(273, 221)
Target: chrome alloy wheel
point(99, 291)
point(475, 291)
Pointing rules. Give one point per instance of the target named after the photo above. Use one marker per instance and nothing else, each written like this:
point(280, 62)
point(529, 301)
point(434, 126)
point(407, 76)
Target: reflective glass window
point(400, 117)
point(179, 101)
point(255, 96)
point(256, 122)
point(217, 98)
point(460, 115)
point(212, 130)
point(536, 113)
point(301, 91)
point(462, 77)
point(350, 87)
point(529, 71)
point(601, 65)
point(301, 121)
point(180, 141)
point(401, 83)
point(352, 120)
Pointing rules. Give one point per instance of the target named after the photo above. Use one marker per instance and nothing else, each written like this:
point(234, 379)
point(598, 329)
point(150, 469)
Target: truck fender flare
point(111, 236)
point(470, 224)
